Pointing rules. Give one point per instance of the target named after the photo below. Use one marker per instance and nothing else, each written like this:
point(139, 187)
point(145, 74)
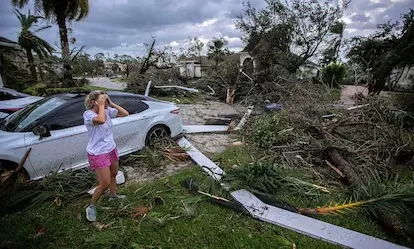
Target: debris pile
point(364, 153)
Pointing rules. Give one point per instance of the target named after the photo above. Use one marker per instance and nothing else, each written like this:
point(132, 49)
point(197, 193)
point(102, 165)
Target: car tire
point(10, 179)
point(157, 134)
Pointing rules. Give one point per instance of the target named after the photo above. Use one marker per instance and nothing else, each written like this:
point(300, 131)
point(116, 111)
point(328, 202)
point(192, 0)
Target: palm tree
point(60, 11)
point(217, 49)
point(30, 42)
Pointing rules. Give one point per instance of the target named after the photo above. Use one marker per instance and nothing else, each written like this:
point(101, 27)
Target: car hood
point(9, 137)
point(18, 103)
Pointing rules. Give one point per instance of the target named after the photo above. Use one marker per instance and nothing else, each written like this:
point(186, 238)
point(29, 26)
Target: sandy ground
point(348, 92)
point(209, 144)
point(106, 82)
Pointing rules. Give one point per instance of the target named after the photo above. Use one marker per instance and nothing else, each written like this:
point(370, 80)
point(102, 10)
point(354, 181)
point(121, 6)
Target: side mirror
point(41, 131)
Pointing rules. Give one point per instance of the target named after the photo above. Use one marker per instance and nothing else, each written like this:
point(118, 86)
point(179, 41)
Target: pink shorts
point(102, 161)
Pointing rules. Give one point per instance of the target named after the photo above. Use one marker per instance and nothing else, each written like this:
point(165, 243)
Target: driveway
point(107, 83)
point(209, 143)
point(348, 92)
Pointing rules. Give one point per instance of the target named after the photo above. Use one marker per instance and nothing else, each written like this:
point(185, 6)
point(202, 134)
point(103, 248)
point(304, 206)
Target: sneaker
point(91, 213)
point(117, 197)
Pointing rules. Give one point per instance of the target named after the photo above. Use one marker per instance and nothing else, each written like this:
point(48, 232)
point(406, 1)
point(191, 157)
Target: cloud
point(124, 26)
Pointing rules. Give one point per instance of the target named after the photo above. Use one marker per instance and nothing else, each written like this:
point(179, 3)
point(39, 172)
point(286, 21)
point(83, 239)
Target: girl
point(102, 153)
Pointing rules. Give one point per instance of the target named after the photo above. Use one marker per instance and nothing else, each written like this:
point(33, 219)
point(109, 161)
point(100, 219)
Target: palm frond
point(43, 28)
point(397, 199)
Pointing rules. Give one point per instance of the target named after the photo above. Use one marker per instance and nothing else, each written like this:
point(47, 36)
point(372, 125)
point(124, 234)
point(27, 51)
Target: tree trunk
point(31, 64)
point(64, 42)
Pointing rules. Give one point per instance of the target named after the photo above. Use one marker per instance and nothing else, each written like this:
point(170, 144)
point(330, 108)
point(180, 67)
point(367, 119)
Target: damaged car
point(53, 130)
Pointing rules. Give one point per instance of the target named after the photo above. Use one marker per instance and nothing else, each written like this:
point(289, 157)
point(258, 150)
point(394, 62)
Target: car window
point(69, 116)
point(25, 117)
point(8, 96)
point(132, 104)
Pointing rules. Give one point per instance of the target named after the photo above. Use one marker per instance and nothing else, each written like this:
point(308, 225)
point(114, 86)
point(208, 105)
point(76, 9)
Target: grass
point(335, 94)
point(183, 221)
point(200, 224)
point(359, 221)
point(92, 88)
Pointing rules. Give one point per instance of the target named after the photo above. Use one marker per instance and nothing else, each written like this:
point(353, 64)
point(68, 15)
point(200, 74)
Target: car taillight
point(176, 111)
point(9, 110)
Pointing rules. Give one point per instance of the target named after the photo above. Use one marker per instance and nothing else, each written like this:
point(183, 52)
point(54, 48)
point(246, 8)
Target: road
point(107, 83)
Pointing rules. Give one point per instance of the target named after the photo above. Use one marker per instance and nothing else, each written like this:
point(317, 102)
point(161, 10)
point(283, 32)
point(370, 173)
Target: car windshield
point(23, 118)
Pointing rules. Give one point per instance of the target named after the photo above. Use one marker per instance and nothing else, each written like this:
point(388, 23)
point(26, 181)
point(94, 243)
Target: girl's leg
point(114, 171)
point(104, 179)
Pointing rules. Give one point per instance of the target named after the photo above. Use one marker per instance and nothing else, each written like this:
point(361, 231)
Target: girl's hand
point(110, 103)
point(101, 100)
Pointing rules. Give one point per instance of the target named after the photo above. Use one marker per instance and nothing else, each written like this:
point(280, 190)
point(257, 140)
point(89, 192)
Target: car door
point(66, 147)
point(129, 132)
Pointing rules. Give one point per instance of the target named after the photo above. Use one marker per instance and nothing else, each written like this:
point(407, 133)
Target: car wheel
point(158, 136)
point(9, 179)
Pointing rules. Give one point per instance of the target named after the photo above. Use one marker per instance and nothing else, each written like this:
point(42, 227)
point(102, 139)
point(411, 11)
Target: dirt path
point(348, 92)
point(107, 83)
point(209, 144)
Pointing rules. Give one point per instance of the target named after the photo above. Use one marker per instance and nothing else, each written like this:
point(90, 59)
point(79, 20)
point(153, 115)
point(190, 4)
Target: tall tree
point(61, 11)
point(391, 47)
point(30, 42)
point(295, 30)
point(127, 60)
point(217, 49)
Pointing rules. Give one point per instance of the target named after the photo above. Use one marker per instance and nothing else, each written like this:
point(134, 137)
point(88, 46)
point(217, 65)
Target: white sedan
point(12, 100)
point(53, 128)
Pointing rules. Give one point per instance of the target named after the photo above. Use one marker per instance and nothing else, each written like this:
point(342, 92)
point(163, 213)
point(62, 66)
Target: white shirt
point(101, 139)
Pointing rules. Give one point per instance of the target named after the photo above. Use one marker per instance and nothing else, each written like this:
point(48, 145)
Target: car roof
point(13, 92)
point(82, 94)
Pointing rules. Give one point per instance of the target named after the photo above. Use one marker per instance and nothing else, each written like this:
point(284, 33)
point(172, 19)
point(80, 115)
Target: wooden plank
point(309, 226)
point(206, 164)
point(188, 129)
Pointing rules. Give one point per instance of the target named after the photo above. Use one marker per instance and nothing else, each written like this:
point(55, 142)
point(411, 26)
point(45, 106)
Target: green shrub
point(271, 130)
point(38, 89)
point(333, 74)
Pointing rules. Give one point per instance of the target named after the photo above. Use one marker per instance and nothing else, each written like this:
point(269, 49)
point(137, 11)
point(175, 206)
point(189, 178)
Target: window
point(24, 118)
point(132, 104)
point(7, 96)
point(69, 116)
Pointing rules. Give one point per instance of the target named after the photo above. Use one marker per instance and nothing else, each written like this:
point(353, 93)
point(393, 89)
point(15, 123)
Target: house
point(308, 70)
point(8, 44)
point(402, 78)
point(192, 68)
point(111, 68)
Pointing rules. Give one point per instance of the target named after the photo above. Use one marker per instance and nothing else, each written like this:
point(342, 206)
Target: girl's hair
point(91, 98)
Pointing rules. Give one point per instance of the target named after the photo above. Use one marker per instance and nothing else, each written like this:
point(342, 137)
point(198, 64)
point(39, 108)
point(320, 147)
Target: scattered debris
point(175, 154)
point(120, 179)
point(193, 90)
point(140, 211)
point(212, 90)
point(40, 231)
point(101, 226)
point(244, 119)
point(147, 89)
point(335, 169)
point(8, 179)
point(231, 94)
point(238, 143)
point(192, 185)
point(204, 128)
point(273, 107)
point(217, 120)
point(207, 165)
point(308, 226)
point(356, 107)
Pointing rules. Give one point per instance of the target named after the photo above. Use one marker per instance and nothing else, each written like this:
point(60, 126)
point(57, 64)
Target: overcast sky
point(123, 26)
